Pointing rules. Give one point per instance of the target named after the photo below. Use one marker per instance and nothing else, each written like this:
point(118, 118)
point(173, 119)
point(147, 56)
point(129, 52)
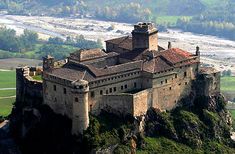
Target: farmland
point(7, 80)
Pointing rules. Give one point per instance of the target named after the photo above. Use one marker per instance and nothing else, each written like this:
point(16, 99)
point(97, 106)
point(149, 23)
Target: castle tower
point(80, 120)
point(48, 62)
point(145, 36)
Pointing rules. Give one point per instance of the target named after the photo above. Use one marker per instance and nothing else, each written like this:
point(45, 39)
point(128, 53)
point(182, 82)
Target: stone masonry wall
point(28, 90)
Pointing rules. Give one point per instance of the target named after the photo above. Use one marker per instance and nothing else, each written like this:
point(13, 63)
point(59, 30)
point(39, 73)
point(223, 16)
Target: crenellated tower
point(145, 36)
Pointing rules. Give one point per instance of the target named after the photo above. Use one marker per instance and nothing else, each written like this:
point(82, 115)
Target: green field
point(6, 106)
point(170, 19)
point(228, 84)
point(7, 93)
point(7, 80)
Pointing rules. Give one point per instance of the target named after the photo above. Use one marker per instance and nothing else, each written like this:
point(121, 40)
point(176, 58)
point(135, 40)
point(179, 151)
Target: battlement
point(144, 27)
point(28, 89)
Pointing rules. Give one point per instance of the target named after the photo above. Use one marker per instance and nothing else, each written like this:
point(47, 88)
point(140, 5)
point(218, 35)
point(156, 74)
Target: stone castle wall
point(127, 104)
point(28, 90)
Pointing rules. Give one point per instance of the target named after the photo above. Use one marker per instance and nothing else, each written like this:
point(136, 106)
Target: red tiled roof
point(156, 65)
point(175, 55)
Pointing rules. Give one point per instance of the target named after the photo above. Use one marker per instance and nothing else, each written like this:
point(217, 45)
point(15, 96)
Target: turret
point(80, 121)
point(198, 54)
point(169, 45)
point(48, 62)
point(198, 51)
point(145, 36)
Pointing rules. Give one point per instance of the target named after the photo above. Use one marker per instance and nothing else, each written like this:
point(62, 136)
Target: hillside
point(203, 127)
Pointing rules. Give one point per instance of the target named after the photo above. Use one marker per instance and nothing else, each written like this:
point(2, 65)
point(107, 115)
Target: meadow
point(228, 84)
point(7, 80)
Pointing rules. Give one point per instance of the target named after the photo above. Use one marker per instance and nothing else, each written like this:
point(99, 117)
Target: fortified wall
point(28, 90)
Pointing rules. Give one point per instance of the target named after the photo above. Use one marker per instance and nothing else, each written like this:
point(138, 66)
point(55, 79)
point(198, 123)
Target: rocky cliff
point(197, 127)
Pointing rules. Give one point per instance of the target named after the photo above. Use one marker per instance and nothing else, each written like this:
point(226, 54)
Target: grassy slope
point(7, 80)
point(228, 84)
point(7, 93)
point(6, 106)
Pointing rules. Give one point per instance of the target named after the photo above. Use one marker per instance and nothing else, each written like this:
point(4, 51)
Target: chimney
point(169, 45)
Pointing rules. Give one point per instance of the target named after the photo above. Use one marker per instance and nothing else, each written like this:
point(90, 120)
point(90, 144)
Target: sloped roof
point(208, 70)
point(71, 74)
point(126, 43)
point(88, 54)
point(110, 70)
point(157, 64)
point(122, 42)
point(175, 55)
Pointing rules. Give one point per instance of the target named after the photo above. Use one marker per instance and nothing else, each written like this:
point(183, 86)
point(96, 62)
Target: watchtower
point(80, 121)
point(145, 36)
point(48, 62)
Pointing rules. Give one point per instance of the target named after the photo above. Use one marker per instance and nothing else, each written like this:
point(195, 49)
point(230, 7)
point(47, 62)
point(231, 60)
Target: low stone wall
point(28, 90)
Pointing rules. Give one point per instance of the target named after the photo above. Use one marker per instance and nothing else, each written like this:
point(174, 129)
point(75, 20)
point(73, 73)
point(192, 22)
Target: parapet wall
point(28, 90)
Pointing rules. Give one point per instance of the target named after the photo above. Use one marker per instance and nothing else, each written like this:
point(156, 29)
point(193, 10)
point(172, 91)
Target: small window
point(135, 85)
point(65, 91)
point(185, 74)
point(186, 83)
point(107, 92)
point(76, 99)
point(92, 94)
point(114, 89)
point(121, 87)
point(176, 76)
point(170, 88)
point(101, 92)
point(54, 87)
point(161, 82)
point(110, 90)
point(165, 80)
point(125, 86)
point(179, 84)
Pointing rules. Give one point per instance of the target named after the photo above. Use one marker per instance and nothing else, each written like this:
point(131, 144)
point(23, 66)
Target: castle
point(133, 74)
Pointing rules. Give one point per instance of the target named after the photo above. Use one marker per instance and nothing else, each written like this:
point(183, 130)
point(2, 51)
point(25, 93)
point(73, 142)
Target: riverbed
point(217, 52)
